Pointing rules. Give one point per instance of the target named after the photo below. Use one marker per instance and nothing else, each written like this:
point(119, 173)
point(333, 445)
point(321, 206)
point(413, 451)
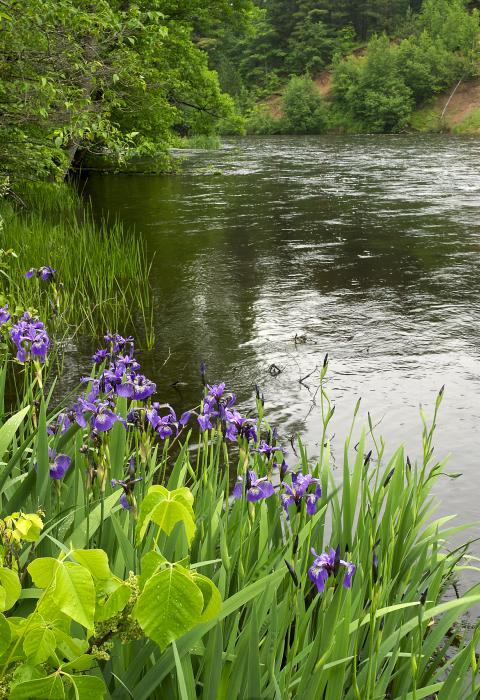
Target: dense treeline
point(384, 58)
point(111, 74)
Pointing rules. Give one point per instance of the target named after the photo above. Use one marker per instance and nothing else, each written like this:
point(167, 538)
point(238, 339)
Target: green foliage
point(470, 125)
point(110, 77)
point(303, 108)
point(381, 89)
point(261, 122)
point(373, 90)
point(90, 291)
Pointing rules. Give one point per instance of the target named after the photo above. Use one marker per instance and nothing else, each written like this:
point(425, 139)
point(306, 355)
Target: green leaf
point(95, 560)
point(89, 687)
point(166, 509)
point(42, 571)
point(50, 687)
point(170, 604)
point(8, 430)
point(212, 600)
point(5, 634)
point(74, 593)
point(39, 644)
point(114, 604)
point(43, 463)
point(10, 586)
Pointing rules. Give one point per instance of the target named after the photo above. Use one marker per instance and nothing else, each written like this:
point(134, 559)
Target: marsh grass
point(392, 635)
point(102, 278)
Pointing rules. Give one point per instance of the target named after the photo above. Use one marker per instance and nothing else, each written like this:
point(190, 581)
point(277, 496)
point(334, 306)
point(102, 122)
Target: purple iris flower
point(60, 426)
point(100, 356)
point(45, 273)
point(59, 464)
point(102, 418)
point(328, 564)
point(205, 422)
point(137, 387)
point(237, 425)
point(256, 488)
point(301, 490)
point(215, 391)
point(30, 338)
point(267, 450)
point(184, 418)
point(119, 343)
point(4, 315)
point(163, 425)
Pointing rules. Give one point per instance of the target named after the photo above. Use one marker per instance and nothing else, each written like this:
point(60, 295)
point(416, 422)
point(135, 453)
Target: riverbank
point(455, 111)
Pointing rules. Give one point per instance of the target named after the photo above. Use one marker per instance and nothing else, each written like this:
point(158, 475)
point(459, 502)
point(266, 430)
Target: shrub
point(303, 107)
point(261, 122)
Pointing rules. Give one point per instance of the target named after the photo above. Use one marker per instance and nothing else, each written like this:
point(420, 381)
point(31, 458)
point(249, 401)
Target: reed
point(102, 272)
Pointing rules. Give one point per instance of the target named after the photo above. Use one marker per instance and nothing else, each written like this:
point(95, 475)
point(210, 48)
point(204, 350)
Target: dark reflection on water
point(367, 246)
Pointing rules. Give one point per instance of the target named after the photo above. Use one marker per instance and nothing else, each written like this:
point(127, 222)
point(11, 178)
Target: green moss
point(470, 125)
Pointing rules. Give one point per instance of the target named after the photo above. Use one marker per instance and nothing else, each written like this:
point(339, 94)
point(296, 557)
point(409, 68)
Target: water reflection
point(366, 246)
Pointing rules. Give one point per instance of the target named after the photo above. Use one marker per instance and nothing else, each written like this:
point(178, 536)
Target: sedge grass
point(102, 278)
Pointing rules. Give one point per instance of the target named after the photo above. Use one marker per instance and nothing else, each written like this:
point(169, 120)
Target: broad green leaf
point(42, 571)
point(212, 600)
point(81, 663)
point(166, 509)
point(114, 604)
point(95, 560)
point(89, 687)
point(39, 644)
point(10, 585)
point(74, 593)
point(151, 562)
point(5, 634)
point(170, 604)
point(50, 687)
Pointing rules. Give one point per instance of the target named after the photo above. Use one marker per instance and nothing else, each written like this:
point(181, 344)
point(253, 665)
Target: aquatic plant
point(140, 501)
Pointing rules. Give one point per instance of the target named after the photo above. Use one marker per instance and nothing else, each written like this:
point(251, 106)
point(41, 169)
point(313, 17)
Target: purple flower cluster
point(4, 315)
point(167, 424)
point(30, 338)
point(122, 376)
point(45, 273)
point(328, 564)
point(304, 488)
point(218, 407)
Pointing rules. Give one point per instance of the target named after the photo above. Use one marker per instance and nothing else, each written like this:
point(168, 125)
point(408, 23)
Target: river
point(366, 248)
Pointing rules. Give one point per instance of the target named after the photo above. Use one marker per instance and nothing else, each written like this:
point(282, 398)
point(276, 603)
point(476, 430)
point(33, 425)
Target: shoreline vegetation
point(182, 556)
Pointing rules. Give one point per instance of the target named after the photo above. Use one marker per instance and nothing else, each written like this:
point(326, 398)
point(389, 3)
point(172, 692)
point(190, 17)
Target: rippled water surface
point(368, 248)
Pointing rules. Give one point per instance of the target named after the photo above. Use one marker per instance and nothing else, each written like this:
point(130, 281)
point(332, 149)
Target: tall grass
point(102, 273)
point(393, 635)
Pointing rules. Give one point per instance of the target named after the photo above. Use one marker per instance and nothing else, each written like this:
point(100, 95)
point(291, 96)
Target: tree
point(113, 75)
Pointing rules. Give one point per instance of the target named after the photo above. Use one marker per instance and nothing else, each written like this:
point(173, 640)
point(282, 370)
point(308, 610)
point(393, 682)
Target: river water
point(366, 248)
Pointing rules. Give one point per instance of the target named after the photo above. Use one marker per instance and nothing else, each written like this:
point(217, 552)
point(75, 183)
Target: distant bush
point(373, 90)
point(303, 108)
point(261, 122)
